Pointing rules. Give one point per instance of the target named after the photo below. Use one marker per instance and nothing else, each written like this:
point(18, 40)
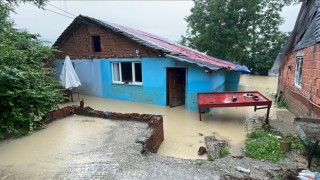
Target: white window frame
point(120, 73)
point(297, 74)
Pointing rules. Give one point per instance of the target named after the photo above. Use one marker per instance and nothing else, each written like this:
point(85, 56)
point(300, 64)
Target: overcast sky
point(163, 18)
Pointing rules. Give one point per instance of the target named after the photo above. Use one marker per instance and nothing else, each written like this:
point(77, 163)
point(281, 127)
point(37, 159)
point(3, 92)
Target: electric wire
point(46, 9)
point(61, 9)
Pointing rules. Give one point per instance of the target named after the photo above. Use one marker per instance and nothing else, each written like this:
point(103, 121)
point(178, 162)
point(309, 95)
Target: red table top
point(224, 99)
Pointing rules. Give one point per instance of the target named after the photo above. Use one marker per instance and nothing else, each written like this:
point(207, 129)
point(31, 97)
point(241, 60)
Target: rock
point(202, 150)
point(213, 146)
point(238, 157)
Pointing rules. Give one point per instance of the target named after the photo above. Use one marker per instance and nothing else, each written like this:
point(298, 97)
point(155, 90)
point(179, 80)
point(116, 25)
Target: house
point(118, 62)
point(299, 79)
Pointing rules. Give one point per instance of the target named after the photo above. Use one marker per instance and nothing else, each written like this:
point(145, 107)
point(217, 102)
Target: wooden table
point(225, 99)
point(69, 94)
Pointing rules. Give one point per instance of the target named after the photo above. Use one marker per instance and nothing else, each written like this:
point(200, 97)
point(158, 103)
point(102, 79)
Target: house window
point(96, 43)
point(298, 72)
point(127, 73)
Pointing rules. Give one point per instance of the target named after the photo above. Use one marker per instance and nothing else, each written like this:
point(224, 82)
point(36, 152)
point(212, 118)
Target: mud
point(42, 153)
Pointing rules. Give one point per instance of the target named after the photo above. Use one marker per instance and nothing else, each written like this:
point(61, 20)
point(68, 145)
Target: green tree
point(26, 85)
point(245, 32)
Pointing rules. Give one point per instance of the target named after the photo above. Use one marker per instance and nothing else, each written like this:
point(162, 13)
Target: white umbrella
point(68, 77)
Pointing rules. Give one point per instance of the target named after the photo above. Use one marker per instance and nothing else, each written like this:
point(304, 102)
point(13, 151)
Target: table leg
point(311, 153)
point(71, 97)
point(199, 113)
point(267, 117)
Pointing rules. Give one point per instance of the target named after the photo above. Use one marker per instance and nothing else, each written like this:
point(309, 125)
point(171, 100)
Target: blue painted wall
point(96, 79)
point(197, 81)
point(218, 79)
point(89, 75)
point(153, 90)
point(232, 81)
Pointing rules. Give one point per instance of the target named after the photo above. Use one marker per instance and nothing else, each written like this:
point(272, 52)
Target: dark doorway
point(176, 85)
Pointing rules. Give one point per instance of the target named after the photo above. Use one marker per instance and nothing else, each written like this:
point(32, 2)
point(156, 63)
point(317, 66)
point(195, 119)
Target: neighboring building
point(274, 71)
point(117, 62)
point(299, 79)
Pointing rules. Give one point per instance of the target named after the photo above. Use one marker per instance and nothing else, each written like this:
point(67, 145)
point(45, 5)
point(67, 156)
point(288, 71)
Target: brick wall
point(304, 101)
point(113, 45)
point(151, 138)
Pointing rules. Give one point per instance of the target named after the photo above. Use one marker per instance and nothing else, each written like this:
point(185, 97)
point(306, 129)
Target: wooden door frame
point(167, 82)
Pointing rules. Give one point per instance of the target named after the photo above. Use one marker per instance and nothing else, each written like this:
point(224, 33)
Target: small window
point(96, 43)
point(127, 73)
point(298, 72)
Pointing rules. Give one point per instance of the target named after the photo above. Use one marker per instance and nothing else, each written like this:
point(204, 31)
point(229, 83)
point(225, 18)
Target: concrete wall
point(96, 78)
point(304, 101)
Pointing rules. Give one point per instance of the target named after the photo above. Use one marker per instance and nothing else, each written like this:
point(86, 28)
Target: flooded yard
point(55, 146)
point(45, 151)
point(183, 130)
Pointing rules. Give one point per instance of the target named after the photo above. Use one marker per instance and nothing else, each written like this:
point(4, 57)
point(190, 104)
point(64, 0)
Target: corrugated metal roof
point(169, 48)
point(306, 31)
point(312, 35)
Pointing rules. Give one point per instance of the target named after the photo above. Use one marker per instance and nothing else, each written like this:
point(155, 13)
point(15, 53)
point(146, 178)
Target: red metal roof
point(172, 49)
point(175, 48)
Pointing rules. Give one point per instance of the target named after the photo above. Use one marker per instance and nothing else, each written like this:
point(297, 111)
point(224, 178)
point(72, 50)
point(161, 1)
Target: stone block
point(213, 146)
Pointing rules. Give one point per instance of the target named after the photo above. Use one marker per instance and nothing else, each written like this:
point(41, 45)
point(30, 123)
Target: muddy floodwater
point(182, 128)
point(54, 146)
point(45, 151)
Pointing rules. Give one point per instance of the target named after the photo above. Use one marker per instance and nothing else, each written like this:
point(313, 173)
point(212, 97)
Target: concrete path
point(284, 122)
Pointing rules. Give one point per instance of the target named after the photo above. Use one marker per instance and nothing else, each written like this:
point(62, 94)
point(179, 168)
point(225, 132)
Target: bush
point(26, 85)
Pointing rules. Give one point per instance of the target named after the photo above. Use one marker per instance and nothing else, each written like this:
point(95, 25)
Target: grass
point(282, 102)
point(262, 144)
point(199, 162)
point(224, 151)
point(210, 158)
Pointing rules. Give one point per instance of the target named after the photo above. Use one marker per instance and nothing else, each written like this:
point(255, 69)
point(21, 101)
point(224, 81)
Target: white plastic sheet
point(68, 77)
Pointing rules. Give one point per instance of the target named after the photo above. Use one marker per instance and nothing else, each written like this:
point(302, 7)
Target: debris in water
point(239, 157)
point(241, 169)
point(200, 134)
point(202, 150)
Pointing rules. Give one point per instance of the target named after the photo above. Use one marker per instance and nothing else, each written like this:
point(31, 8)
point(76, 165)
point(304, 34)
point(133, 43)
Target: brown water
point(43, 152)
point(182, 127)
